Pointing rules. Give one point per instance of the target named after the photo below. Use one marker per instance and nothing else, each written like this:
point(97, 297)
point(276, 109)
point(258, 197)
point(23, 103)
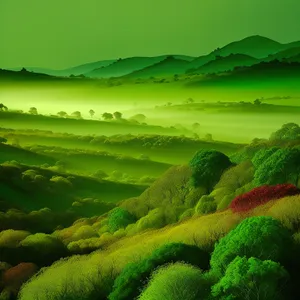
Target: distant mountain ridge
point(242, 53)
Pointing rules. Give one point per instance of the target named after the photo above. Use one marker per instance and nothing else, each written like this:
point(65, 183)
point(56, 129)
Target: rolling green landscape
point(169, 177)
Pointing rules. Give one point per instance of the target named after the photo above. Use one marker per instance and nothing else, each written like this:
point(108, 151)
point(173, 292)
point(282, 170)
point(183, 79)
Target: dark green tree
point(3, 140)
point(2, 107)
point(207, 167)
point(107, 116)
point(117, 115)
point(257, 102)
point(33, 111)
point(92, 113)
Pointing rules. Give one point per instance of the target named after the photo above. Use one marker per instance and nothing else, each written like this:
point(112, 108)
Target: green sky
point(63, 33)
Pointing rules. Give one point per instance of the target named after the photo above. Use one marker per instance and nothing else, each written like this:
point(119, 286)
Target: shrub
point(261, 195)
point(17, 275)
point(251, 279)
point(12, 238)
point(134, 275)
point(119, 218)
point(206, 205)
point(176, 282)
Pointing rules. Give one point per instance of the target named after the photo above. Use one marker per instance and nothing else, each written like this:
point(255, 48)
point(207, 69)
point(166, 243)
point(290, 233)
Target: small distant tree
point(107, 116)
point(257, 102)
point(33, 111)
point(92, 113)
point(2, 107)
point(117, 115)
point(289, 131)
point(62, 114)
point(3, 140)
point(196, 126)
point(76, 114)
point(208, 137)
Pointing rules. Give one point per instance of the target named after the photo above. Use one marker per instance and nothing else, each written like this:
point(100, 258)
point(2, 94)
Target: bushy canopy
point(175, 282)
point(207, 167)
point(251, 279)
point(261, 237)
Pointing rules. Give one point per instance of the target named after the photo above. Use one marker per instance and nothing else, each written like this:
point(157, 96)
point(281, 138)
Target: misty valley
point(168, 177)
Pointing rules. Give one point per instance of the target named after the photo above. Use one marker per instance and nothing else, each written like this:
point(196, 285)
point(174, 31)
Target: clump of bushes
point(134, 276)
point(262, 195)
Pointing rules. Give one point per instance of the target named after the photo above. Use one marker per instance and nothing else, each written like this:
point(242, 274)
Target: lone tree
point(76, 114)
point(117, 115)
point(2, 107)
point(196, 126)
point(62, 114)
point(3, 140)
point(107, 116)
point(257, 102)
point(33, 111)
point(207, 167)
point(92, 113)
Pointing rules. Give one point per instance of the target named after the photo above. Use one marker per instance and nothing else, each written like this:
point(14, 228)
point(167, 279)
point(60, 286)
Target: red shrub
point(17, 275)
point(261, 195)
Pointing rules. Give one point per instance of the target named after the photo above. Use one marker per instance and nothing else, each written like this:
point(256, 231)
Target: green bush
point(206, 205)
point(261, 237)
point(134, 276)
point(251, 279)
point(119, 218)
point(176, 282)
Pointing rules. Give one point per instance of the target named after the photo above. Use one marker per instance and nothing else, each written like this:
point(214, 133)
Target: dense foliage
point(261, 237)
point(208, 166)
point(176, 282)
point(283, 166)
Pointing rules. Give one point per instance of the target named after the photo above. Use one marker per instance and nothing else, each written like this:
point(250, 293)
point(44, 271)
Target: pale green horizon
point(60, 34)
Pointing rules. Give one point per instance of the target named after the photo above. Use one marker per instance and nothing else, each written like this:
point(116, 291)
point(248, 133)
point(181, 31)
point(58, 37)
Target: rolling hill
point(256, 46)
point(227, 63)
point(262, 72)
point(291, 54)
point(240, 53)
point(167, 67)
point(126, 66)
point(77, 70)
